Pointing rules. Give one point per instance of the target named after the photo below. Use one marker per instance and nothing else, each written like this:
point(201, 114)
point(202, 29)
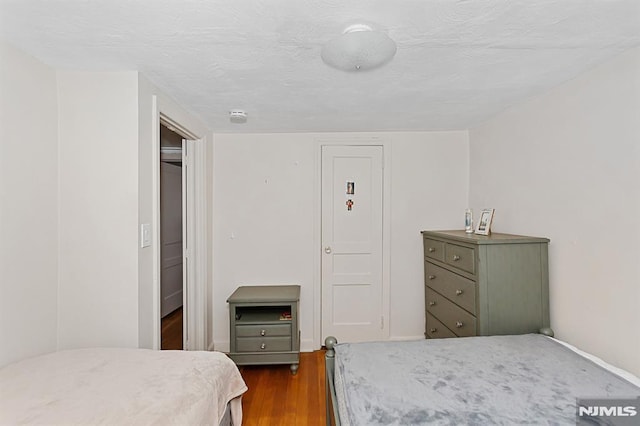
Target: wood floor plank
point(276, 397)
point(171, 330)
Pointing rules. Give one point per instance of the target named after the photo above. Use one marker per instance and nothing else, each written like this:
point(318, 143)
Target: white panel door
point(352, 179)
point(171, 238)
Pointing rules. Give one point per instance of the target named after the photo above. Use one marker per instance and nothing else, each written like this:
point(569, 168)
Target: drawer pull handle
point(432, 277)
point(263, 332)
point(263, 346)
point(459, 324)
point(433, 330)
point(431, 249)
point(432, 303)
point(456, 257)
point(459, 292)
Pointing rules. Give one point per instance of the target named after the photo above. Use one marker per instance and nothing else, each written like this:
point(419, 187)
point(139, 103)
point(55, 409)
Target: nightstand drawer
point(264, 344)
point(459, 290)
point(434, 249)
point(460, 257)
point(456, 319)
point(436, 329)
point(263, 330)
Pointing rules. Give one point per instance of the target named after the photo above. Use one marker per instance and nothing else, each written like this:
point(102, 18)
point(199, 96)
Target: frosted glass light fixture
point(359, 48)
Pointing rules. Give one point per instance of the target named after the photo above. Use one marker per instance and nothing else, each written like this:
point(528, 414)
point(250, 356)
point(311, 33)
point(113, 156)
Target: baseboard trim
point(306, 345)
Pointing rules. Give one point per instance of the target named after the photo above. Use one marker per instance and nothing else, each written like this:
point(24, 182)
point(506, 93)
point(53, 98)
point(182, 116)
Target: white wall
point(566, 165)
point(147, 313)
point(28, 206)
point(263, 220)
point(98, 130)
point(266, 197)
point(429, 188)
point(75, 186)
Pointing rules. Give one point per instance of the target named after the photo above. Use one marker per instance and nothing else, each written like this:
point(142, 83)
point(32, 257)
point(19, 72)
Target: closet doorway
point(172, 306)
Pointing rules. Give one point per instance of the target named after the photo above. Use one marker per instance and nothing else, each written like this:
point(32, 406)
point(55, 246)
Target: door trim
point(318, 339)
point(196, 233)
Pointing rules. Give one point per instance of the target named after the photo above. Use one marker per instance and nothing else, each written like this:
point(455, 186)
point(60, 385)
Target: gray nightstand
point(264, 325)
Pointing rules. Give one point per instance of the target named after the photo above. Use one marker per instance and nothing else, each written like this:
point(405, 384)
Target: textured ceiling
point(457, 64)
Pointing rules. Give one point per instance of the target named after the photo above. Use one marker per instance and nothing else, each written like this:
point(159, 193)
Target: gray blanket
point(495, 380)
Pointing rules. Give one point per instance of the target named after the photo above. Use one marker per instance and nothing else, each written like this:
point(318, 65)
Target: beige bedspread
point(121, 386)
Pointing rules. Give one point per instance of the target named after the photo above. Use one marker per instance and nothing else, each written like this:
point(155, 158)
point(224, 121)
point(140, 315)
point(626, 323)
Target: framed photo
point(484, 223)
point(351, 188)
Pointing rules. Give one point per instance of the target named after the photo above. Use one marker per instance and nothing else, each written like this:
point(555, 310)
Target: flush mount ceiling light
point(359, 48)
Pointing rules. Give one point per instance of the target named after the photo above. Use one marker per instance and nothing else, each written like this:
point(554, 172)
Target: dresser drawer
point(434, 249)
point(459, 290)
point(437, 330)
point(263, 330)
point(456, 319)
point(460, 257)
point(263, 344)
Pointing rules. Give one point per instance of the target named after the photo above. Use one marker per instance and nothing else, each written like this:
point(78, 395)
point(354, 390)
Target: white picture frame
point(484, 222)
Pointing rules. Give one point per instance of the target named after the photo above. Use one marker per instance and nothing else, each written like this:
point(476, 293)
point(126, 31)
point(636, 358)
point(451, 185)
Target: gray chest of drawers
point(479, 285)
point(264, 325)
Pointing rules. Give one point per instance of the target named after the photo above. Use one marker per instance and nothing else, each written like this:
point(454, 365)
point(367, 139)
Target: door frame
point(318, 338)
point(195, 262)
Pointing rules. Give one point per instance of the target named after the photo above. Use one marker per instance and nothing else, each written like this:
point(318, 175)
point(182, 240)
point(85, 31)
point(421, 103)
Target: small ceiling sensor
point(237, 116)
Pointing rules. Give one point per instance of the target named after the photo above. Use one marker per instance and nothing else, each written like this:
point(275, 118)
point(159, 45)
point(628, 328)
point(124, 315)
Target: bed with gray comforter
point(527, 379)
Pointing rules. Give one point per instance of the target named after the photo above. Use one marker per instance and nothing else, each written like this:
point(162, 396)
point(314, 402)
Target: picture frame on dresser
point(484, 223)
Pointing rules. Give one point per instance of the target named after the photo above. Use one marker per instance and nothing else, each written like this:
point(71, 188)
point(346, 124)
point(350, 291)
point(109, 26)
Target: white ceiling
point(457, 63)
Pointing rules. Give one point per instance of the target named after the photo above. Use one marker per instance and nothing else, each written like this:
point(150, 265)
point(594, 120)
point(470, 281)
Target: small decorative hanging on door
point(349, 204)
point(351, 186)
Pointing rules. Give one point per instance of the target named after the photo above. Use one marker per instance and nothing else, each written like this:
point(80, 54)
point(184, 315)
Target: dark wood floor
point(276, 397)
point(171, 330)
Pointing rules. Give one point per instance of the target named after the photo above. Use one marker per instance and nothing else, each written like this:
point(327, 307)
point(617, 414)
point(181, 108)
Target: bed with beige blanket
point(122, 386)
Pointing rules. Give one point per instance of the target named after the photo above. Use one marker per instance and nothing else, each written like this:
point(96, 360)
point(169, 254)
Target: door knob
point(327, 250)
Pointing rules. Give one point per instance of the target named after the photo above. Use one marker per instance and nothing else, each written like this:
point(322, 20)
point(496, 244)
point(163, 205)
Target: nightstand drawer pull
point(456, 257)
point(434, 330)
point(459, 292)
point(432, 277)
point(263, 332)
point(263, 346)
point(459, 324)
point(431, 249)
point(432, 303)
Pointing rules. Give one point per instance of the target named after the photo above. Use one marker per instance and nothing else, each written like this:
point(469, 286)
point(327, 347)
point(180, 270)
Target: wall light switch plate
point(145, 235)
